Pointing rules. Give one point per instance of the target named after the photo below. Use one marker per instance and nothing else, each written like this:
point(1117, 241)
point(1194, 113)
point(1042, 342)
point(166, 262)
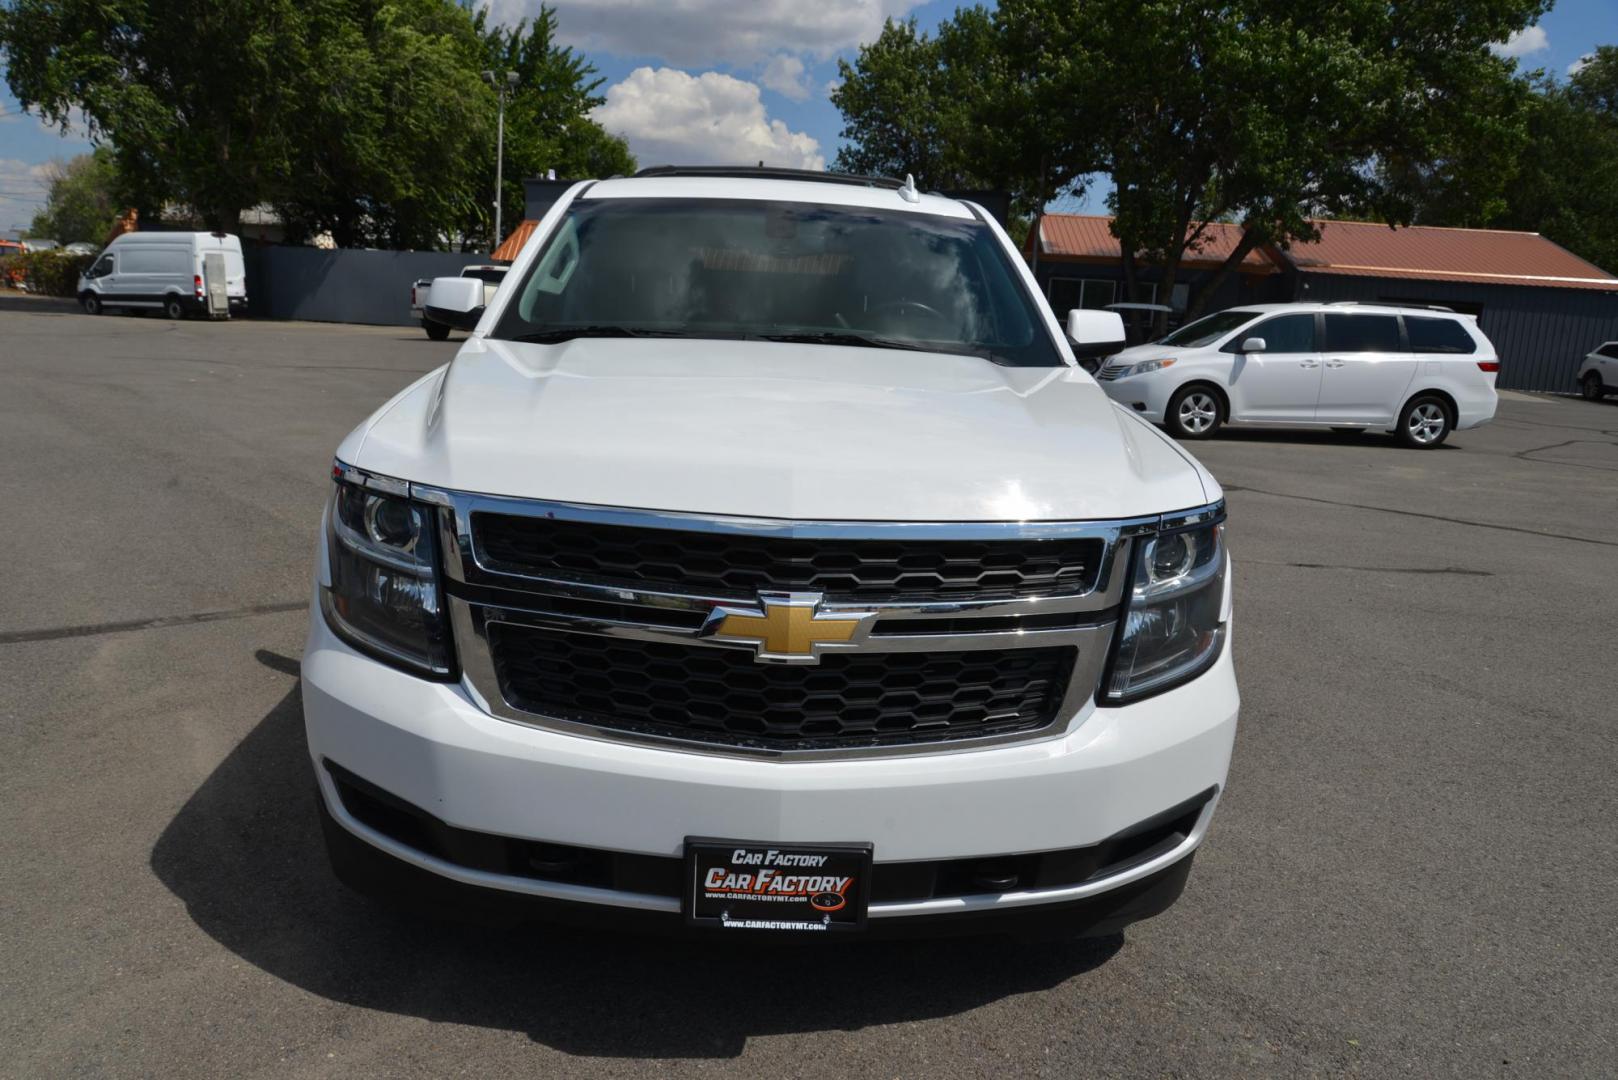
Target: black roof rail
point(771, 172)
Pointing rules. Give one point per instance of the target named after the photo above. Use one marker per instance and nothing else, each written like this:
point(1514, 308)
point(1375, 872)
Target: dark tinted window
point(1609, 349)
point(1285, 334)
point(1208, 330)
point(1438, 335)
point(751, 269)
point(1362, 333)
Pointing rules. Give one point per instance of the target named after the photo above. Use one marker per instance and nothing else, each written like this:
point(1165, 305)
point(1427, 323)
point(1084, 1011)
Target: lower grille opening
point(724, 696)
point(658, 875)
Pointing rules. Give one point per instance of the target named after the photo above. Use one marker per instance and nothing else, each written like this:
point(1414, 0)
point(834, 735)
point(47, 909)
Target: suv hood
point(765, 429)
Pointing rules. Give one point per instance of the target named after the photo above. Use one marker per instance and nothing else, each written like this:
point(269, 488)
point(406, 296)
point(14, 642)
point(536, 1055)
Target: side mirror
point(1094, 333)
point(1253, 344)
point(456, 301)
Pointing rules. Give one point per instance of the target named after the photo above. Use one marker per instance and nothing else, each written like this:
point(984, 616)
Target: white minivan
point(164, 270)
point(1417, 372)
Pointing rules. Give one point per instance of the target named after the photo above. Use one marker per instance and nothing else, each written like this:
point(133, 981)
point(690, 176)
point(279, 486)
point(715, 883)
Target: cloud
point(700, 33)
point(785, 75)
point(671, 117)
point(23, 187)
point(1580, 64)
point(1528, 40)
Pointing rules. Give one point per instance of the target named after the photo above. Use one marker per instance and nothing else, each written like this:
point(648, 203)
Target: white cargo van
point(163, 270)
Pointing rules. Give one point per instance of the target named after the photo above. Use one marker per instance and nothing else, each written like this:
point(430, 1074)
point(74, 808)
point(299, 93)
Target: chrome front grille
point(1111, 371)
point(632, 642)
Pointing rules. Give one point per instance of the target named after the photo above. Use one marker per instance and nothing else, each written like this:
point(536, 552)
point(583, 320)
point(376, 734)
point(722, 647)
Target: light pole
point(502, 85)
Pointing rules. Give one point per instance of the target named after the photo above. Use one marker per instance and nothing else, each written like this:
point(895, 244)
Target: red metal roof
point(1483, 256)
point(512, 245)
point(1087, 236)
point(1365, 249)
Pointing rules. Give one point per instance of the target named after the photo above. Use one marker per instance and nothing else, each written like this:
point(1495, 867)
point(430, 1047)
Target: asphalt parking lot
point(1413, 872)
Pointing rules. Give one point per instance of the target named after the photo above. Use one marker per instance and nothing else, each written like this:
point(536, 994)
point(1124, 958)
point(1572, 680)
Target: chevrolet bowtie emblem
point(788, 628)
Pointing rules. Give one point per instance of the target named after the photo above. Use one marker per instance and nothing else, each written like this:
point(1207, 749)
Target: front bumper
point(428, 745)
point(1144, 395)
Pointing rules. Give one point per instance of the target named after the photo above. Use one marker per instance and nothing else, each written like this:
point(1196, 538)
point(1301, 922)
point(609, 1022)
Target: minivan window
point(1438, 335)
point(781, 271)
point(1362, 333)
point(1207, 330)
point(1282, 334)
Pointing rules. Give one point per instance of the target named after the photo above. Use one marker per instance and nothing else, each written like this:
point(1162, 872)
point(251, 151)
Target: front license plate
point(738, 885)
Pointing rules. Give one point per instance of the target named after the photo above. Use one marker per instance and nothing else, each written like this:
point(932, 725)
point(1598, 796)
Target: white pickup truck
point(490, 274)
point(765, 564)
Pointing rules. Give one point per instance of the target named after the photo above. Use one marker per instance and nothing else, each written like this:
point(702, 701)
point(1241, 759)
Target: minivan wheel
point(1424, 423)
point(1194, 412)
point(1590, 387)
point(92, 303)
point(173, 308)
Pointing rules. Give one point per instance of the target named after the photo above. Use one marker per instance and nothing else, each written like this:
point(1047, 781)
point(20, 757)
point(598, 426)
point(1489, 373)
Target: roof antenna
point(908, 192)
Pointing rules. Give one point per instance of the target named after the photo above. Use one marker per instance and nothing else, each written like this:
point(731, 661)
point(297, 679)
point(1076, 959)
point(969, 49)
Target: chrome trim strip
point(470, 619)
point(882, 909)
point(886, 909)
point(553, 890)
point(470, 624)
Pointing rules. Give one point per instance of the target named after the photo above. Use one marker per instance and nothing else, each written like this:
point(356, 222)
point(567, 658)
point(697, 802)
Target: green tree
point(393, 112)
point(547, 118)
point(84, 200)
point(1559, 182)
point(1263, 112)
point(197, 96)
point(954, 110)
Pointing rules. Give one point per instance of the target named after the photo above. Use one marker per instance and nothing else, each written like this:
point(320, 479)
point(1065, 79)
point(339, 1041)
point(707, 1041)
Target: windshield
point(1208, 330)
point(710, 268)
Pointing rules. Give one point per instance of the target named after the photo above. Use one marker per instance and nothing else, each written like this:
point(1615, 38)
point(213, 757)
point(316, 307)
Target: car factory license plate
point(737, 885)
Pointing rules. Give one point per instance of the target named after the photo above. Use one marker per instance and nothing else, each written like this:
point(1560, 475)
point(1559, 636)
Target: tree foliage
point(364, 118)
point(1561, 180)
point(1264, 112)
point(84, 200)
point(547, 117)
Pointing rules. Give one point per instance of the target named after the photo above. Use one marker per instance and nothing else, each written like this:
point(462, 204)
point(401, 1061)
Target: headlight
point(1171, 629)
point(1147, 365)
point(384, 596)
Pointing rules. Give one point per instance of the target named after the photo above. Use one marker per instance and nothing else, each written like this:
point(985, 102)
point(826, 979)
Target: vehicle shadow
point(245, 856)
point(1312, 436)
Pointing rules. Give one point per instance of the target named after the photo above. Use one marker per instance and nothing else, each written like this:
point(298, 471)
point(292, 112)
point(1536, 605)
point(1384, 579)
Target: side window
point(1438, 336)
point(103, 266)
point(1609, 349)
point(1362, 333)
point(1283, 334)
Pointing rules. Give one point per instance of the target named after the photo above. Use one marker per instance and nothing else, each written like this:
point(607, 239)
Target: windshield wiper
point(841, 337)
point(568, 333)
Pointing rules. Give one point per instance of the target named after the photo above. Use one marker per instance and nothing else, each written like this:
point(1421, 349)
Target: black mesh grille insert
point(724, 696)
point(741, 565)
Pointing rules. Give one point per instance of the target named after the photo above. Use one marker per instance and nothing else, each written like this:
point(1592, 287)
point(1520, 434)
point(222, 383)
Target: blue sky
point(722, 81)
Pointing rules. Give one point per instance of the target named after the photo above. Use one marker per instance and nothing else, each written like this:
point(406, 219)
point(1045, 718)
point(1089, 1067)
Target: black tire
point(435, 330)
point(1590, 387)
point(173, 308)
point(92, 303)
point(1195, 412)
point(1424, 423)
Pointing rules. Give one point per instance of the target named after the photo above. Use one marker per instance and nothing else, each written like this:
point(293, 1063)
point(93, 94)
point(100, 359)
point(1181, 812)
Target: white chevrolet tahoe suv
point(764, 561)
point(1417, 372)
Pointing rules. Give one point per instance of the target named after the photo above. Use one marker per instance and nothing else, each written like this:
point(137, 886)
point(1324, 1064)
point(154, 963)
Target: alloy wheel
point(1198, 412)
point(1427, 423)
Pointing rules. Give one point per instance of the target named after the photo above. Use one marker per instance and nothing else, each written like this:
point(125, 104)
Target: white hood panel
point(762, 429)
